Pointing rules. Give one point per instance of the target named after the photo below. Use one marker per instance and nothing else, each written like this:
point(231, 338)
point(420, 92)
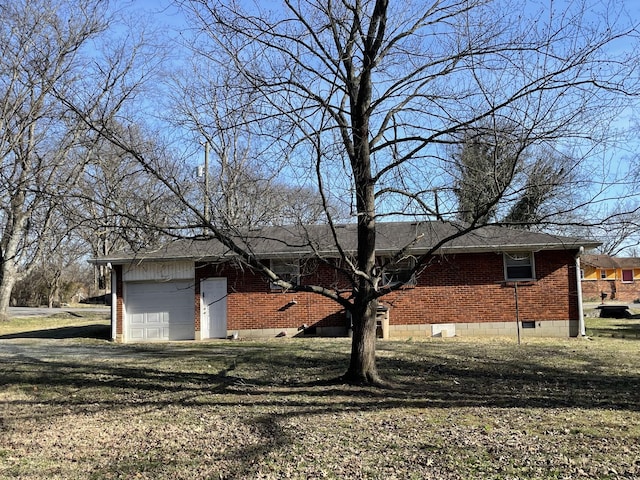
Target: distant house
point(610, 278)
point(492, 281)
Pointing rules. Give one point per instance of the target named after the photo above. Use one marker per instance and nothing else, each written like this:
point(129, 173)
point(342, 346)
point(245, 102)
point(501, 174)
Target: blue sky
point(615, 161)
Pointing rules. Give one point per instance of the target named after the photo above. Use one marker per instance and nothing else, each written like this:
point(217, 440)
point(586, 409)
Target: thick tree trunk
point(53, 288)
point(362, 366)
point(6, 288)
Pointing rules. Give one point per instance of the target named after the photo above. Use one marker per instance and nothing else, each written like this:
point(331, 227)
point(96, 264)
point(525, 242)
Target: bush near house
point(50, 287)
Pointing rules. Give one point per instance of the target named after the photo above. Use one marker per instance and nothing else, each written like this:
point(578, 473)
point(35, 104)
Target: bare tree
point(117, 205)
point(52, 53)
point(366, 95)
point(383, 84)
point(239, 175)
point(618, 230)
point(40, 43)
point(58, 277)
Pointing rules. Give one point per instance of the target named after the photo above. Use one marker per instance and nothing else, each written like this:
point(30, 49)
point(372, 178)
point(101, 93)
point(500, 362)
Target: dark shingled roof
point(606, 261)
point(296, 240)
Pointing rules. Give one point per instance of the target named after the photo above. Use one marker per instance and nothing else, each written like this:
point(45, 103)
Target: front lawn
point(462, 409)
point(61, 325)
point(614, 327)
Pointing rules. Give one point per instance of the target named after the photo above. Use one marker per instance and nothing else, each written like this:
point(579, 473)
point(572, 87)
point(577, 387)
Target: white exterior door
point(159, 311)
point(213, 308)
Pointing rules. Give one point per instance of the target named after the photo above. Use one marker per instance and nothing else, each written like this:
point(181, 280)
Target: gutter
point(444, 250)
point(581, 326)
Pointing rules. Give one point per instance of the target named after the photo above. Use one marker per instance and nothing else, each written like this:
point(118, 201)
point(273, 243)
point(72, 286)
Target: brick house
point(610, 278)
point(492, 281)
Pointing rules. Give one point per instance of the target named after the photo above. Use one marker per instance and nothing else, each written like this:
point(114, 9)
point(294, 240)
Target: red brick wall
point(252, 304)
point(471, 288)
point(456, 288)
point(615, 290)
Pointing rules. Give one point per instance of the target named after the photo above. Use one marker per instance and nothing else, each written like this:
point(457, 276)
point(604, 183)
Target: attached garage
point(158, 302)
point(199, 289)
point(159, 311)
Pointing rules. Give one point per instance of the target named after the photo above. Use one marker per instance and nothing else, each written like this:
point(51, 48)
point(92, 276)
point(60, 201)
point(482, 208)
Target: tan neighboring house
point(607, 278)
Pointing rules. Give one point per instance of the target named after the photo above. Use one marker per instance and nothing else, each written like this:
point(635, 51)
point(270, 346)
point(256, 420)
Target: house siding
point(615, 289)
point(158, 271)
point(471, 288)
point(467, 290)
point(253, 305)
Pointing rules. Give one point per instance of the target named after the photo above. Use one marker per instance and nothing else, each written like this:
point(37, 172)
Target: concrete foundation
point(549, 328)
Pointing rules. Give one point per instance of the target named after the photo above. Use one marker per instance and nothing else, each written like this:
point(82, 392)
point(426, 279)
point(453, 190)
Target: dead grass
point(86, 408)
point(61, 325)
point(615, 327)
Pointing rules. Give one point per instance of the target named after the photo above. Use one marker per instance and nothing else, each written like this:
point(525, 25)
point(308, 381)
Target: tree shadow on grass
point(627, 329)
point(440, 375)
point(97, 331)
point(266, 385)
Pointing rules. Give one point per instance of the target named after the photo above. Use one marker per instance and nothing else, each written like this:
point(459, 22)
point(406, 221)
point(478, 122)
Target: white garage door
point(159, 311)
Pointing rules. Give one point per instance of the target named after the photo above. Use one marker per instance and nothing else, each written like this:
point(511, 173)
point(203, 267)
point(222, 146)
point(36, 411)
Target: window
point(400, 273)
point(627, 275)
point(518, 266)
point(286, 269)
point(603, 274)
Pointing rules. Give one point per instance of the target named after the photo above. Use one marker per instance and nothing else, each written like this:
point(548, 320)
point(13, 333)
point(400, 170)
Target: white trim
point(582, 331)
point(114, 305)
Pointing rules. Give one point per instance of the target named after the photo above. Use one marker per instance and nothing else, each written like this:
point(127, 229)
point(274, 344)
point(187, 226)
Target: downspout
point(114, 301)
point(581, 327)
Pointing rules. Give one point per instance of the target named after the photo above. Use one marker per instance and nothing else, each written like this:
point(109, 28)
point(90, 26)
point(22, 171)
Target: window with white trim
point(519, 266)
point(400, 273)
point(627, 276)
point(286, 269)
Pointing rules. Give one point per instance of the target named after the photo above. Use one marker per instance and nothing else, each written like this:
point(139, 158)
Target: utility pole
point(206, 185)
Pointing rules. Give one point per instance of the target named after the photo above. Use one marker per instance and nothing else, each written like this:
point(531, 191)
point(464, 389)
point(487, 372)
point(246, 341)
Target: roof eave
point(517, 247)
point(332, 254)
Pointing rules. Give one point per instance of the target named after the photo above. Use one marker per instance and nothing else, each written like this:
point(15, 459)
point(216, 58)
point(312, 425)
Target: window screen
point(400, 273)
point(519, 266)
point(286, 269)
